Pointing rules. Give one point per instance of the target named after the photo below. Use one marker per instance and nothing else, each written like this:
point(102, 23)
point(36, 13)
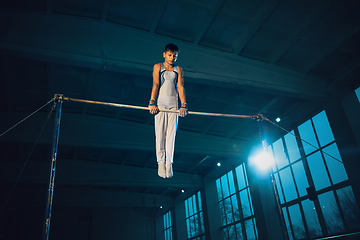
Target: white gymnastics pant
point(165, 131)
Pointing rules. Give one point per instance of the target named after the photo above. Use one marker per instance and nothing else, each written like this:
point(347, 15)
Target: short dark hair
point(171, 47)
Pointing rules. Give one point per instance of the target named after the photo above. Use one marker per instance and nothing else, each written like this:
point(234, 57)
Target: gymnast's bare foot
point(169, 171)
point(161, 170)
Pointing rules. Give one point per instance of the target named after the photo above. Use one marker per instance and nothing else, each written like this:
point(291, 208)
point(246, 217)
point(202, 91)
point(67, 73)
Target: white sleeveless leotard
point(168, 92)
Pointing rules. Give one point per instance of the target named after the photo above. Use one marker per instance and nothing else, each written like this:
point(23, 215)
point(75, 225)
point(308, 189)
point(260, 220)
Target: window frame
point(168, 229)
point(332, 187)
point(241, 220)
point(198, 215)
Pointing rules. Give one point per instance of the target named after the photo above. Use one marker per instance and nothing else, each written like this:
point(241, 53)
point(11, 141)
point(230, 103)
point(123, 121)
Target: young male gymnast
point(168, 83)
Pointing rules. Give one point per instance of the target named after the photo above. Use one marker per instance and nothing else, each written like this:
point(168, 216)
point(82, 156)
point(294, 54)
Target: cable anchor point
point(259, 117)
point(58, 97)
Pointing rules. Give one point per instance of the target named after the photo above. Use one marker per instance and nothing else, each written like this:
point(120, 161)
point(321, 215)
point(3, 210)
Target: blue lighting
point(262, 160)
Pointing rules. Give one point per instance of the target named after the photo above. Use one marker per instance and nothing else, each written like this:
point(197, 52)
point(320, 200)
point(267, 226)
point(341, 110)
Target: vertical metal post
point(277, 199)
point(46, 227)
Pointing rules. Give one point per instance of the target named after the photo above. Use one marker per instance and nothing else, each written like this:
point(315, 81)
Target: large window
point(313, 169)
point(238, 221)
point(194, 217)
point(168, 226)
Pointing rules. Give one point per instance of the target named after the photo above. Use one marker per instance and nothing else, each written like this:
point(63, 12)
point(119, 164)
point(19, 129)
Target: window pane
point(246, 178)
point(202, 222)
point(296, 221)
point(231, 182)
point(188, 227)
point(292, 147)
point(199, 200)
point(306, 132)
point(318, 171)
point(323, 129)
point(225, 185)
point(349, 207)
point(287, 224)
point(228, 209)
point(278, 187)
point(357, 91)
point(331, 213)
point(280, 157)
point(235, 208)
point(226, 233)
point(312, 219)
point(169, 217)
point(196, 225)
point(240, 177)
point(191, 208)
point(219, 191)
point(192, 227)
point(245, 203)
point(300, 178)
point(336, 168)
point(232, 232)
point(250, 230)
point(239, 232)
point(250, 201)
point(194, 203)
point(288, 184)
point(222, 211)
point(187, 208)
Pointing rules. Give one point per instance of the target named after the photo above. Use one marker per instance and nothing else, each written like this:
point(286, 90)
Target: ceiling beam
point(347, 32)
point(214, 8)
point(157, 15)
point(264, 12)
point(105, 10)
point(76, 41)
point(316, 13)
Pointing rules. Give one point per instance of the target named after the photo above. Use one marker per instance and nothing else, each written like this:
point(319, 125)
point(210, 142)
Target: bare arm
point(181, 90)
point(155, 89)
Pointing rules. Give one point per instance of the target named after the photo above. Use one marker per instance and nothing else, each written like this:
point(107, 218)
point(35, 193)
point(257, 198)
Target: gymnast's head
point(171, 53)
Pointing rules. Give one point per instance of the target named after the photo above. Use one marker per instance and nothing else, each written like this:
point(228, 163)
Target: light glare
point(263, 160)
point(278, 119)
point(218, 164)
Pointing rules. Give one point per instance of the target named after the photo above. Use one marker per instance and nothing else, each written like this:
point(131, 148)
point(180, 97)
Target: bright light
point(278, 119)
point(218, 164)
point(160, 206)
point(263, 160)
point(182, 191)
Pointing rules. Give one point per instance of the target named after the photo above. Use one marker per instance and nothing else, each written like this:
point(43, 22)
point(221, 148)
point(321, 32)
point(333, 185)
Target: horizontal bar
point(162, 110)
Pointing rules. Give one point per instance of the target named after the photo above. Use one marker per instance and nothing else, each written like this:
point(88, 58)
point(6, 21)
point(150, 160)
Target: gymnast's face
point(170, 57)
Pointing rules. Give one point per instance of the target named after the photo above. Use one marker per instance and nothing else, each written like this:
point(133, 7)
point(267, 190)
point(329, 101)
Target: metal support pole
point(46, 227)
point(277, 199)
